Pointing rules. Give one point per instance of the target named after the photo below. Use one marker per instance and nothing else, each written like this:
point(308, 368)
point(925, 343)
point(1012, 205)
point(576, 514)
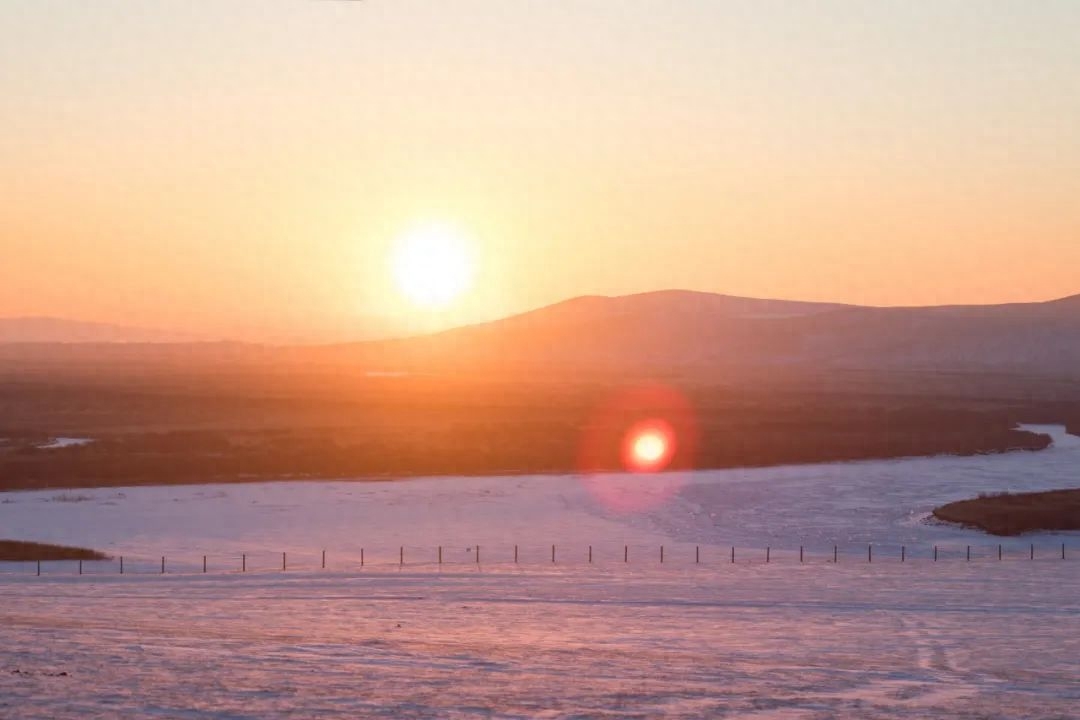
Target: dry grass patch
point(1016, 513)
point(19, 551)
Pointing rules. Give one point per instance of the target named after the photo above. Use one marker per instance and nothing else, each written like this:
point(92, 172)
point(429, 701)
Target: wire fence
point(534, 555)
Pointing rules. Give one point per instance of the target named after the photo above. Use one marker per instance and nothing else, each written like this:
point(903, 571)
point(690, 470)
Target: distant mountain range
point(59, 330)
point(680, 332)
point(29, 330)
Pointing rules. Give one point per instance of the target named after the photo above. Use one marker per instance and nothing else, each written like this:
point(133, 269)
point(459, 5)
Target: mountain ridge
point(685, 330)
point(53, 329)
point(679, 332)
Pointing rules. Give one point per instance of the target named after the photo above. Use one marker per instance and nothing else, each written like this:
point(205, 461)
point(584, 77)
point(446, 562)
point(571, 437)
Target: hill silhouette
point(688, 332)
point(701, 336)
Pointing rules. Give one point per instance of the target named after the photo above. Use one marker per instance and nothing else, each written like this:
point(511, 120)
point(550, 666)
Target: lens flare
point(649, 446)
point(633, 445)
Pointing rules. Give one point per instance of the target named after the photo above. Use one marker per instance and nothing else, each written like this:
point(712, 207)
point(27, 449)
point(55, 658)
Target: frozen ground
point(641, 639)
point(979, 640)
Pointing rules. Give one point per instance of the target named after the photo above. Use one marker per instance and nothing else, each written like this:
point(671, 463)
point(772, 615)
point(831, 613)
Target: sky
point(247, 169)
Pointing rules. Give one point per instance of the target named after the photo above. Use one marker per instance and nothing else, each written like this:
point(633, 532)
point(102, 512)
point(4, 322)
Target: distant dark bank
point(231, 456)
point(228, 427)
point(1014, 514)
point(18, 551)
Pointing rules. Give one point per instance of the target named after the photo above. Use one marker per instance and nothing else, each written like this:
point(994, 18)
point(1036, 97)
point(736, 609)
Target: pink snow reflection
point(633, 493)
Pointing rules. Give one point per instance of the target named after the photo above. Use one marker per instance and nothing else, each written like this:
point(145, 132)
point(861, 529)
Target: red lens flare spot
point(634, 445)
point(648, 447)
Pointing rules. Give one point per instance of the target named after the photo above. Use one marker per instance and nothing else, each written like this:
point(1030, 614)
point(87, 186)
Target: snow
point(983, 640)
point(980, 639)
point(63, 442)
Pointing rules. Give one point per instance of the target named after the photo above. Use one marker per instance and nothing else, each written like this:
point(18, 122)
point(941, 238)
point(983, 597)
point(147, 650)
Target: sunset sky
point(250, 168)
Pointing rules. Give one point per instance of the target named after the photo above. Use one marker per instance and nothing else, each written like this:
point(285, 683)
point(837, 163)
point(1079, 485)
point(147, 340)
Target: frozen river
point(817, 506)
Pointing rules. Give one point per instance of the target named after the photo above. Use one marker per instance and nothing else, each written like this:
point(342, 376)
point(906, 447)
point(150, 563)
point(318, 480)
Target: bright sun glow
point(649, 448)
point(433, 265)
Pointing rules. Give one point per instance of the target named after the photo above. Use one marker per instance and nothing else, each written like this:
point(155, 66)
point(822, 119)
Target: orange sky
point(244, 169)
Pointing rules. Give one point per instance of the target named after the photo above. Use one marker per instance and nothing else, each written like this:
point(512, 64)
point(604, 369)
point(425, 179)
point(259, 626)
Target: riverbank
point(464, 444)
point(169, 433)
point(204, 458)
point(1010, 514)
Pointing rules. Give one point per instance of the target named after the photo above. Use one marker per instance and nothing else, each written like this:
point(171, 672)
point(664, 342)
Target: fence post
point(590, 554)
point(39, 568)
point(80, 567)
point(800, 553)
point(204, 564)
point(661, 554)
point(477, 554)
point(282, 562)
point(1032, 551)
point(361, 557)
point(401, 556)
point(552, 553)
point(243, 563)
point(999, 552)
point(324, 559)
point(162, 564)
point(626, 553)
point(768, 553)
point(440, 554)
point(121, 564)
point(869, 553)
point(935, 553)
point(903, 553)
point(969, 553)
point(697, 554)
point(732, 553)
point(515, 554)
point(835, 557)
point(1062, 551)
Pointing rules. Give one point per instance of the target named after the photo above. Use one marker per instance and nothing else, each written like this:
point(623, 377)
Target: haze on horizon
point(248, 169)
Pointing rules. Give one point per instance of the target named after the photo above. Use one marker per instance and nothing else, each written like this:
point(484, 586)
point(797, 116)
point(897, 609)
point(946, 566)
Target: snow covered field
point(572, 639)
point(750, 641)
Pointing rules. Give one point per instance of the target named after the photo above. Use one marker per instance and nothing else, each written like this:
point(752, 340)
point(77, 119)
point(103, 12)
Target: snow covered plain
point(984, 639)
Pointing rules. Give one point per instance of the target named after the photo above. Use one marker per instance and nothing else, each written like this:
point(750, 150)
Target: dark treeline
point(179, 433)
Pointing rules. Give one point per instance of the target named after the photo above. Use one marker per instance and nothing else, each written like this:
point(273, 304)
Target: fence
point(534, 555)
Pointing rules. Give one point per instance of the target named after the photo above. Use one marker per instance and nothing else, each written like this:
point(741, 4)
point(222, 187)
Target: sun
point(433, 265)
